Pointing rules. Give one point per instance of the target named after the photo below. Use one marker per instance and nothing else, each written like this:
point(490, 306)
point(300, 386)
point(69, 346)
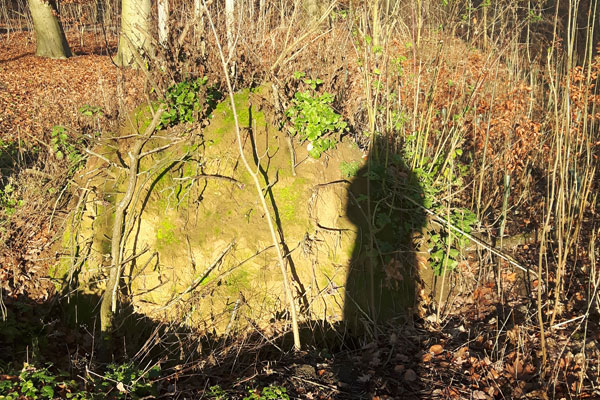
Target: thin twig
point(266, 210)
point(201, 278)
point(479, 242)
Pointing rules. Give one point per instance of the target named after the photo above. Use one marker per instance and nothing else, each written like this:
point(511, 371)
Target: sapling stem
point(254, 176)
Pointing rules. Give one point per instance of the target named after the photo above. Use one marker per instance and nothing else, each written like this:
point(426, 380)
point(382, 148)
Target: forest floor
point(37, 94)
point(485, 346)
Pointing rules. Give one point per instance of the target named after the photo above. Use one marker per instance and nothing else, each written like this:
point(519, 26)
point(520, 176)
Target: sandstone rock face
point(198, 246)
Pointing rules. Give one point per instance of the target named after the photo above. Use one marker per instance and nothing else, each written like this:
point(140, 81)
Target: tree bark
point(50, 36)
point(229, 19)
point(135, 28)
point(163, 22)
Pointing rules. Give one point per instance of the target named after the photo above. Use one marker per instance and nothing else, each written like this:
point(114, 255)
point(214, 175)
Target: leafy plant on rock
point(189, 101)
point(313, 119)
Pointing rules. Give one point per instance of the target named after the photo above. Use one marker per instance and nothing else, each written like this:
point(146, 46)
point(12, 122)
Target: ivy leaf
point(48, 392)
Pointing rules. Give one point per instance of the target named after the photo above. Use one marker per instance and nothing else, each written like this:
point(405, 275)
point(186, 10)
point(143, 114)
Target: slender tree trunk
point(229, 18)
point(135, 28)
point(49, 34)
point(197, 8)
point(109, 301)
point(163, 22)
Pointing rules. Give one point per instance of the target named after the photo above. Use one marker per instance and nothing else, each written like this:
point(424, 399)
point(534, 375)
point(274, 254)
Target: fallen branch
point(472, 238)
point(109, 301)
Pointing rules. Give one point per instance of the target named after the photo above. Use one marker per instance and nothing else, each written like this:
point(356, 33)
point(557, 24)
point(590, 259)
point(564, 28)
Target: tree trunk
point(135, 28)
point(229, 18)
point(163, 22)
point(49, 34)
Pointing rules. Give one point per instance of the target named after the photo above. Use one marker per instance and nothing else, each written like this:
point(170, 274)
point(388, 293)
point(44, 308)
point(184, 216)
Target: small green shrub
point(444, 247)
point(40, 383)
point(441, 245)
point(269, 393)
point(189, 101)
point(313, 119)
point(9, 202)
point(63, 145)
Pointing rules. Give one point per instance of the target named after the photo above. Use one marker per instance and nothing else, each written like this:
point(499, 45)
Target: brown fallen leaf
point(463, 352)
point(399, 369)
point(480, 395)
point(410, 375)
point(436, 349)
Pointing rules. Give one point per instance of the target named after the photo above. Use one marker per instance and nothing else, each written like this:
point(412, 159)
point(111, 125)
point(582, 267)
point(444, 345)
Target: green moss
point(59, 271)
point(139, 119)
point(238, 281)
point(165, 234)
point(288, 199)
point(223, 121)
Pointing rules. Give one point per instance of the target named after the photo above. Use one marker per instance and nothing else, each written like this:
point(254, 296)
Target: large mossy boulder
point(198, 247)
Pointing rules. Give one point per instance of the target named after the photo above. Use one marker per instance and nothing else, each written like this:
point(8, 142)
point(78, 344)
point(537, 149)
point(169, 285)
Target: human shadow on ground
point(385, 204)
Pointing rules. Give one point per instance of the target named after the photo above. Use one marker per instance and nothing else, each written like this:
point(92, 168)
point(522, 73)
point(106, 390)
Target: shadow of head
point(385, 200)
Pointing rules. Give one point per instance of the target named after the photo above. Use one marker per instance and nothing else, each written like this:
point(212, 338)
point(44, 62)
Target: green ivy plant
point(90, 111)
point(126, 381)
point(189, 101)
point(40, 383)
point(313, 119)
point(62, 145)
point(271, 392)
